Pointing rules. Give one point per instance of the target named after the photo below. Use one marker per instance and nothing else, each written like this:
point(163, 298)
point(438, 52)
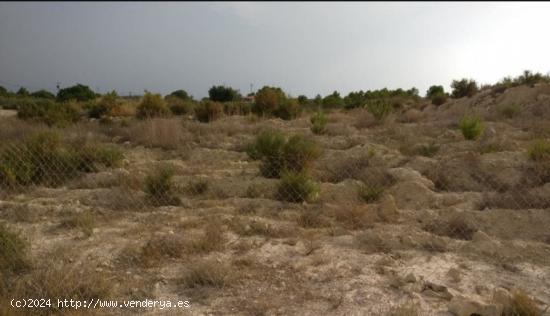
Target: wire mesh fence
point(389, 203)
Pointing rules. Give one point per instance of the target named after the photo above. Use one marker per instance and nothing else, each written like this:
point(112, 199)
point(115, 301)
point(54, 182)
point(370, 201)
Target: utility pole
point(251, 88)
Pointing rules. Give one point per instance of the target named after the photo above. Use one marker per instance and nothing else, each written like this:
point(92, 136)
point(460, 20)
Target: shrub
point(434, 90)
point(180, 94)
point(267, 100)
point(277, 154)
point(333, 100)
point(521, 305)
point(152, 105)
point(370, 193)
point(268, 143)
point(379, 108)
point(296, 187)
point(206, 274)
point(299, 153)
point(288, 109)
point(510, 110)
point(160, 187)
point(540, 151)
point(49, 112)
point(319, 122)
point(208, 111)
point(77, 92)
point(439, 98)
point(43, 94)
point(13, 249)
point(237, 108)
point(179, 106)
point(106, 106)
point(44, 159)
point(223, 94)
point(464, 88)
point(22, 92)
point(471, 127)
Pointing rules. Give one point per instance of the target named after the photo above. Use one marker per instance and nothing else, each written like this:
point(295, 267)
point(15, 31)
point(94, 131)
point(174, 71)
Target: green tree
point(182, 94)
point(22, 92)
point(223, 94)
point(433, 90)
point(77, 92)
point(464, 88)
point(333, 100)
point(43, 94)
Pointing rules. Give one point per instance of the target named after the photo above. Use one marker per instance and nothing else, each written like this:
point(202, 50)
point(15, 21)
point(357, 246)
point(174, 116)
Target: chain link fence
point(480, 207)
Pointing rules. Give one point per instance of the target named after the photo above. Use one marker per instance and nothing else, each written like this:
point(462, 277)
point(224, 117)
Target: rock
point(410, 278)
point(464, 306)
point(437, 291)
point(387, 209)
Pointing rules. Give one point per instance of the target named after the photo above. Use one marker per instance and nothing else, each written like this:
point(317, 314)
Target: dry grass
point(359, 217)
point(84, 221)
point(407, 309)
point(457, 227)
point(165, 133)
point(521, 305)
point(207, 273)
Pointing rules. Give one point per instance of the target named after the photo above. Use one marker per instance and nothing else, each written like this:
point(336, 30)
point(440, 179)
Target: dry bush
point(364, 119)
point(152, 105)
point(457, 227)
point(13, 253)
point(158, 249)
point(207, 273)
point(297, 187)
point(338, 170)
point(521, 305)
point(160, 188)
point(84, 221)
point(197, 187)
point(407, 309)
point(158, 132)
point(312, 218)
point(212, 238)
point(358, 217)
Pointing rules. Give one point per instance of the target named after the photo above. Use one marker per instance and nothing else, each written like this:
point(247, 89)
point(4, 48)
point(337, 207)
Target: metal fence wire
point(443, 232)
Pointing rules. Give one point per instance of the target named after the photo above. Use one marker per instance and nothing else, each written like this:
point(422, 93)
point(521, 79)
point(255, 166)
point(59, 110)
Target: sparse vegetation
point(318, 122)
point(540, 151)
point(297, 187)
point(521, 305)
point(13, 253)
point(152, 105)
point(206, 274)
point(160, 187)
point(379, 108)
point(45, 159)
point(471, 127)
point(208, 111)
point(510, 110)
point(464, 88)
point(370, 192)
point(49, 112)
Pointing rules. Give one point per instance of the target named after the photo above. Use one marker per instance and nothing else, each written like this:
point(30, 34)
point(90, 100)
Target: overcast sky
point(305, 48)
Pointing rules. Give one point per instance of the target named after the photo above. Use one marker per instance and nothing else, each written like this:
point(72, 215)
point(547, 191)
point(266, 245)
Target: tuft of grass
point(152, 105)
point(471, 127)
point(379, 108)
point(297, 187)
point(160, 187)
point(208, 111)
point(13, 252)
point(354, 217)
point(212, 239)
point(540, 151)
point(407, 309)
point(510, 110)
point(277, 154)
point(521, 305)
point(197, 187)
point(206, 273)
point(370, 192)
point(428, 150)
point(85, 221)
point(319, 122)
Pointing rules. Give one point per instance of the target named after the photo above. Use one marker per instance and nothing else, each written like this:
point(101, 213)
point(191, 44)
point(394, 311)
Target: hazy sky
point(305, 48)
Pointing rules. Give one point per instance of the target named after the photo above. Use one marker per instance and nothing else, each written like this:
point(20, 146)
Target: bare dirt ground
point(454, 231)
